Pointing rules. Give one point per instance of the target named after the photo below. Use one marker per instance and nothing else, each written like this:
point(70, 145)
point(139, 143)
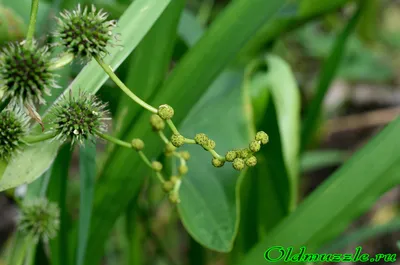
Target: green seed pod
point(174, 198)
point(251, 161)
point(39, 219)
point(177, 140)
point(175, 179)
point(183, 170)
point(13, 126)
point(217, 163)
point(157, 166)
point(185, 155)
point(78, 118)
point(169, 149)
point(85, 33)
point(166, 112)
point(201, 139)
point(262, 137)
point(238, 164)
point(137, 144)
point(157, 123)
point(230, 156)
point(255, 146)
point(24, 73)
point(168, 186)
point(243, 153)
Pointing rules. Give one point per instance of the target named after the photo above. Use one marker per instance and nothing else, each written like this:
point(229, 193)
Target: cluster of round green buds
point(203, 140)
point(79, 118)
point(166, 112)
point(177, 140)
point(13, 127)
point(24, 73)
point(137, 144)
point(157, 166)
point(39, 219)
point(85, 32)
point(217, 162)
point(157, 123)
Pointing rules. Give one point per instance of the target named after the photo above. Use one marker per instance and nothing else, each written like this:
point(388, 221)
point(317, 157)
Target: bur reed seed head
point(255, 146)
point(39, 219)
point(230, 156)
point(24, 73)
point(157, 166)
point(177, 140)
point(157, 123)
point(13, 127)
point(243, 153)
point(217, 162)
point(251, 161)
point(137, 144)
point(238, 164)
point(85, 32)
point(166, 112)
point(77, 118)
point(262, 137)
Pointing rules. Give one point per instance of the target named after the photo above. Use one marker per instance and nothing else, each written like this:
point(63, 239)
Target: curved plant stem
point(113, 140)
point(123, 87)
point(172, 126)
point(32, 20)
point(32, 139)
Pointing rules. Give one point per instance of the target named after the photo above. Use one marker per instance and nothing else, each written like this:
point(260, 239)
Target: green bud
point(137, 144)
point(262, 137)
point(238, 164)
point(166, 112)
point(251, 161)
point(174, 198)
point(169, 149)
point(168, 186)
point(177, 140)
point(230, 156)
point(210, 145)
point(174, 179)
point(183, 170)
point(217, 163)
point(243, 153)
point(201, 139)
point(255, 146)
point(157, 166)
point(185, 155)
point(157, 123)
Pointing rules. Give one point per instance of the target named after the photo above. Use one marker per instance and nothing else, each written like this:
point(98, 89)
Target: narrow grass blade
point(347, 194)
point(87, 173)
point(326, 77)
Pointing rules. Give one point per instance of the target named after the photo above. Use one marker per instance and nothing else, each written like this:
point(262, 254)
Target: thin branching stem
point(32, 20)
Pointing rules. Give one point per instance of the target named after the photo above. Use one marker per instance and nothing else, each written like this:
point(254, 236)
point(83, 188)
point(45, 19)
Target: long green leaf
point(326, 77)
point(343, 197)
point(190, 79)
point(87, 173)
point(133, 26)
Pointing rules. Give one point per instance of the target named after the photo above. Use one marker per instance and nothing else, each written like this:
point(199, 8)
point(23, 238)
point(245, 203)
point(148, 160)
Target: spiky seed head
point(183, 170)
point(85, 32)
point(137, 144)
point(185, 155)
point(201, 139)
point(243, 153)
point(157, 166)
point(24, 73)
point(230, 156)
point(157, 123)
point(174, 198)
point(251, 161)
point(168, 186)
point(169, 149)
point(175, 179)
point(177, 140)
point(13, 127)
point(217, 162)
point(166, 112)
point(238, 164)
point(39, 219)
point(255, 146)
point(262, 137)
point(78, 118)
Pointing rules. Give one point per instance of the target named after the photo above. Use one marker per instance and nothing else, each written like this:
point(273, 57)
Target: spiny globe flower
point(24, 73)
point(13, 126)
point(85, 32)
point(79, 118)
point(39, 219)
